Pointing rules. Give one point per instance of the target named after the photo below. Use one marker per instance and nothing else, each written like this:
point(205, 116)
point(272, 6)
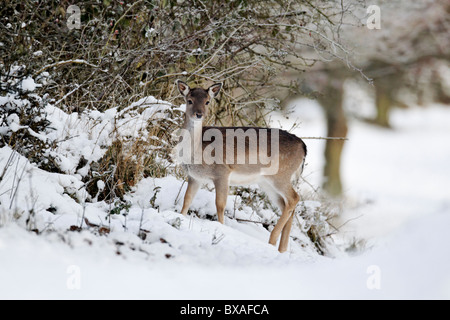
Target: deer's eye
point(190, 102)
point(207, 102)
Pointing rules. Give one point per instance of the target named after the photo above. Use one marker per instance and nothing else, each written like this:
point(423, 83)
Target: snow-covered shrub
point(24, 123)
point(314, 219)
point(312, 223)
point(140, 146)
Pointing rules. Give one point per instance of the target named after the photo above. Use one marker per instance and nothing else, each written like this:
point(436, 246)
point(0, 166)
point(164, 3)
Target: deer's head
point(197, 100)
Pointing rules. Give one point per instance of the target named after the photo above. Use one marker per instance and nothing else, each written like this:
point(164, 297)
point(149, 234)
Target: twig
point(319, 11)
point(115, 25)
point(325, 138)
point(316, 190)
point(68, 94)
point(13, 195)
point(84, 210)
point(179, 191)
point(141, 220)
point(9, 163)
point(349, 220)
point(203, 66)
point(61, 63)
point(253, 221)
point(165, 76)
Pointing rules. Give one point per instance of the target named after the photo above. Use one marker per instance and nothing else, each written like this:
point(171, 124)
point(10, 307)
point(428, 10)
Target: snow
point(412, 264)
point(28, 84)
point(89, 134)
point(408, 174)
point(397, 202)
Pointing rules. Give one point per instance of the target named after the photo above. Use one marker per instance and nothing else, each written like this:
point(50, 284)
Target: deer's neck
point(192, 125)
point(195, 129)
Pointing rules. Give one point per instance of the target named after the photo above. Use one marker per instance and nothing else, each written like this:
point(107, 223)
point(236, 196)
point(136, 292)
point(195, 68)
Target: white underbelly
point(243, 179)
point(203, 178)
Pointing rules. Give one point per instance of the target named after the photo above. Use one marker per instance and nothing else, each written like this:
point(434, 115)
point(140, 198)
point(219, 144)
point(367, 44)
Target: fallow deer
point(287, 155)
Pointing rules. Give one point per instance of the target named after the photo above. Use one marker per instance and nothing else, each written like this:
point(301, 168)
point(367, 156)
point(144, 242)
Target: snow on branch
point(61, 63)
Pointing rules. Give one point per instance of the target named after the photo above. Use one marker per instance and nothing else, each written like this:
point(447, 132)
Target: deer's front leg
point(192, 188)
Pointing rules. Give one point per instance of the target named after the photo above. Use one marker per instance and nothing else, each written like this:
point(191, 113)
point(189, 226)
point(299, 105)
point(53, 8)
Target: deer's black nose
point(198, 115)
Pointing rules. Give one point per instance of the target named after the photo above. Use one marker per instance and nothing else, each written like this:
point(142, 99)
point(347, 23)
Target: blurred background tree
point(413, 42)
point(401, 64)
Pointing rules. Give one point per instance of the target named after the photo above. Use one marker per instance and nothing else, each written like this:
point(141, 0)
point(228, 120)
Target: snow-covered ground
point(397, 200)
point(413, 263)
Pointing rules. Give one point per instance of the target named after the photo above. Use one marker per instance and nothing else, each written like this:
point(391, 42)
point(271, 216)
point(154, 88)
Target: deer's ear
point(183, 87)
point(214, 90)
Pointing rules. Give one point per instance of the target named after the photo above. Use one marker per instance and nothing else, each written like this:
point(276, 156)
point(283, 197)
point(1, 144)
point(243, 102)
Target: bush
point(24, 123)
point(127, 49)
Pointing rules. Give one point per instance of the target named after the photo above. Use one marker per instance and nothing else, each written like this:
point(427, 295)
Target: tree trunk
point(385, 87)
point(331, 101)
point(437, 85)
point(383, 103)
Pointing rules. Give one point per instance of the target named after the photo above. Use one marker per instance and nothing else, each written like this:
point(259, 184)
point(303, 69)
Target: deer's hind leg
point(222, 186)
point(284, 241)
point(287, 201)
